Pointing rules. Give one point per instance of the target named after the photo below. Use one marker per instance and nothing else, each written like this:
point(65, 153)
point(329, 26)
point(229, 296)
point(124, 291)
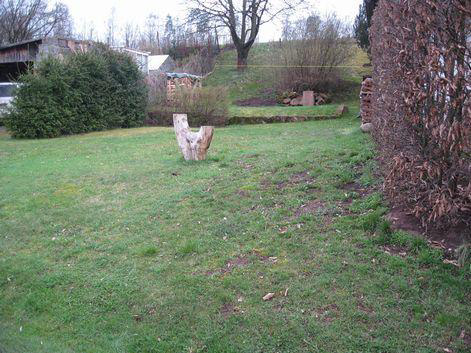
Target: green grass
point(259, 82)
point(110, 242)
point(252, 82)
point(328, 109)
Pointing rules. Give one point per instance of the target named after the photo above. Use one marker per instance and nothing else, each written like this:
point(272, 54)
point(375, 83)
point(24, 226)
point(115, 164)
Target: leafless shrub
point(199, 63)
point(157, 86)
point(311, 50)
point(422, 106)
point(203, 105)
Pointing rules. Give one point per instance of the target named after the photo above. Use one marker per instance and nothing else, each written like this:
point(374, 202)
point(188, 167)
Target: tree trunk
point(242, 56)
point(194, 145)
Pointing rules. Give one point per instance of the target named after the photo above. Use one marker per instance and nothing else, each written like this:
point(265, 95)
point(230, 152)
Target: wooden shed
point(16, 58)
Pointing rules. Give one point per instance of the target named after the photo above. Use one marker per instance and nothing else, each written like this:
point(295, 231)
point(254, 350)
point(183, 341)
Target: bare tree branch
point(27, 19)
point(242, 18)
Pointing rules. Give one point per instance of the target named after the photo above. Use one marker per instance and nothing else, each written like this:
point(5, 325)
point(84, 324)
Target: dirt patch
point(238, 262)
point(395, 250)
point(466, 337)
point(364, 308)
point(264, 258)
point(227, 310)
point(358, 188)
point(298, 178)
point(241, 120)
point(327, 313)
point(246, 166)
point(243, 193)
point(314, 206)
point(447, 240)
point(257, 102)
point(254, 155)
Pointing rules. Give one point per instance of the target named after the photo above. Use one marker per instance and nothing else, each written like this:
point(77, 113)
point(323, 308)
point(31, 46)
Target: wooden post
point(194, 145)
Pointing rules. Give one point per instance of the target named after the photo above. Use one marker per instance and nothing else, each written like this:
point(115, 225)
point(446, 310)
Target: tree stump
point(194, 145)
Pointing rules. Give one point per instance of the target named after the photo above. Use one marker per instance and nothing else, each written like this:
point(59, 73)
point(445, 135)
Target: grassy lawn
point(254, 81)
point(327, 109)
point(110, 242)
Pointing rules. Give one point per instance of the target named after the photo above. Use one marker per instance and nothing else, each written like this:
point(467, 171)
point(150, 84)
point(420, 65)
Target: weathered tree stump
point(194, 145)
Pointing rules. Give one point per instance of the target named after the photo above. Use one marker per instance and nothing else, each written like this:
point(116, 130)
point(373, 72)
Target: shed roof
point(182, 75)
point(156, 61)
point(18, 44)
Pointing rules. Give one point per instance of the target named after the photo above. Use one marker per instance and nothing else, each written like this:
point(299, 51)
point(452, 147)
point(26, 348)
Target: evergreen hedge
point(97, 90)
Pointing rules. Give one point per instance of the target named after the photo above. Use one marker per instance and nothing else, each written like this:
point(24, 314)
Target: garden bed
point(166, 119)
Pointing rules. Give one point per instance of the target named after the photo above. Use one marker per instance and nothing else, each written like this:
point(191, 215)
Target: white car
point(7, 91)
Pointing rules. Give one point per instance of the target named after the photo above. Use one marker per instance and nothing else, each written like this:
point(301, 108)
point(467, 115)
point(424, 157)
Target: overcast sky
point(97, 12)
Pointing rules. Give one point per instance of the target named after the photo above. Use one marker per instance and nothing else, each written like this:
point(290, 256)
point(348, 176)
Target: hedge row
point(98, 90)
point(422, 106)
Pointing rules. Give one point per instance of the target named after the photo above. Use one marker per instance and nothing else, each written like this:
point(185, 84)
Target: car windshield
point(7, 90)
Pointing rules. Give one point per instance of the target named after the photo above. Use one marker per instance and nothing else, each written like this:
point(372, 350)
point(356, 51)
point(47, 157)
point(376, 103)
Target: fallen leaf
point(268, 296)
point(451, 262)
point(437, 245)
point(286, 292)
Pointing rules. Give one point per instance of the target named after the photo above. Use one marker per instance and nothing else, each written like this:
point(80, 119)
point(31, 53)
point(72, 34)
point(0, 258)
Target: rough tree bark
point(194, 145)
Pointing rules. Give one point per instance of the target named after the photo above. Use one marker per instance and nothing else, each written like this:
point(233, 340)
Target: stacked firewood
point(180, 80)
point(365, 100)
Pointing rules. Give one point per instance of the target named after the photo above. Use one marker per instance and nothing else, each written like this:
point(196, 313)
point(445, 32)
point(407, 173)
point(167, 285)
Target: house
point(140, 57)
point(161, 64)
point(16, 58)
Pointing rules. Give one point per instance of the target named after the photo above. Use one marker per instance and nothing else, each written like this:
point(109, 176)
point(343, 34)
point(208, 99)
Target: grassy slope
point(255, 82)
point(110, 242)
point(258, 82)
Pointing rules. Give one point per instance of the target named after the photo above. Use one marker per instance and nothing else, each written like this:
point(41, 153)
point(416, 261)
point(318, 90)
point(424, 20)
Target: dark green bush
point(83, 92)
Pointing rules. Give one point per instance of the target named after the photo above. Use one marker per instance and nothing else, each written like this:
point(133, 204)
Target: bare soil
point(257, 102)
point(446, 239)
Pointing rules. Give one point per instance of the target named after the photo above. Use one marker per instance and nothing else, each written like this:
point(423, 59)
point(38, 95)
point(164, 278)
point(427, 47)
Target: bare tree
point(87, 32)
point(111, 28)
point(27, 19)
point(242, 18)
point(131, 35)
point(311, 52)
point(64, 24)
point(150, 38)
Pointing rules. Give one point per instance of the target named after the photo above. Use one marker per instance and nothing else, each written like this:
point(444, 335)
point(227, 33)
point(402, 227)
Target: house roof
point(156, 61)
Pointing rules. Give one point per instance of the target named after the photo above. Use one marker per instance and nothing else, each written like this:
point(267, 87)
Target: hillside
point(257, 82)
